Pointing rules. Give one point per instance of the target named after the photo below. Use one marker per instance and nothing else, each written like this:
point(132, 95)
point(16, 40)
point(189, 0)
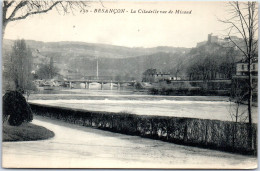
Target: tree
point(178, 68)
point(18, 69)
point(211, 61)
point(243, 21)
point(47, 71)
point(18, 10)
point(148, 75)
point(237, 111)
point(16, 107)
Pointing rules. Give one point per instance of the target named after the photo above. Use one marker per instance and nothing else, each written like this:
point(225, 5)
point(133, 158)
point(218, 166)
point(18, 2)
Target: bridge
point(101, 82)
point(97, 79)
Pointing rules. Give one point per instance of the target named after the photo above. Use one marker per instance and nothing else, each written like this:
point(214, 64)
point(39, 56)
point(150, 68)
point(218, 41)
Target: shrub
point(153, 91)
point(138, 86)
point(214, 134)
point(15, 106)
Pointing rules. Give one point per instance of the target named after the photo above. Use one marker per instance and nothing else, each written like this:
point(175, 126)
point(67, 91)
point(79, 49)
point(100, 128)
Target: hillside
point(81, 49)
point(113, 60)
point(78, 59)
point(128, 67)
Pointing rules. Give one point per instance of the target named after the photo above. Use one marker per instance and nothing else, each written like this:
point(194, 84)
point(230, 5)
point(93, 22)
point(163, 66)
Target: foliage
point(16, 107)
point(189, 131)
point(47, 71)
point(18, 68)
point(30, 88)
point(148, 75)
point(138, 86)
point(212, 61)
point(179, 69)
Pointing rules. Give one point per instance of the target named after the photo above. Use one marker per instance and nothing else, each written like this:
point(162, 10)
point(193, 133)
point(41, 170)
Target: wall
point(214, 134)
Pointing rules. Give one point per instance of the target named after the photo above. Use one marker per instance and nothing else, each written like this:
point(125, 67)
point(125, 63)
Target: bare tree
point(243, 21)
point(237, 111)
point(178, 68)
point(14, 10)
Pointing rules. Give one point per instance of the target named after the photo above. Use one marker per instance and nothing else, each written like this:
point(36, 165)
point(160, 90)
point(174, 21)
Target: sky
point(126, 29)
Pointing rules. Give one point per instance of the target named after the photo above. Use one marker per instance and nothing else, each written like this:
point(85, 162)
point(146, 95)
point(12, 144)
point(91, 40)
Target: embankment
point(214, 134)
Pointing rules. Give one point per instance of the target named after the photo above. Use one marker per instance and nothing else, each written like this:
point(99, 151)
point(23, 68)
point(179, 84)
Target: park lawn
point(25, 132)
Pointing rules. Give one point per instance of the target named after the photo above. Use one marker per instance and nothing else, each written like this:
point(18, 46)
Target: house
point(240, 80)
point(242, 68)
point(151, 75)
point(242, 71)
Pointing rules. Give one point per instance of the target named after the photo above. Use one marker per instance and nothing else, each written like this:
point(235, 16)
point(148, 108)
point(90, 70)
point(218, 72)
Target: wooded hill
point(113, 60)
point(204, 62)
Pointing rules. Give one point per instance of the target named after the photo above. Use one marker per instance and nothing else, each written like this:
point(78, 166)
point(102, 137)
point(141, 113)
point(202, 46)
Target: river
point(206, 107)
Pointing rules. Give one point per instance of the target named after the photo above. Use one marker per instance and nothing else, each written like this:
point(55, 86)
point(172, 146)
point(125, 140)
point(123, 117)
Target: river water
point(206, 107)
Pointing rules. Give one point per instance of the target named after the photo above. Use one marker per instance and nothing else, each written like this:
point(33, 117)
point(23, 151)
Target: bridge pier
point(102, 85)
point(111, 85)
point(118, 85)
point(70, 85)
point(86, 85)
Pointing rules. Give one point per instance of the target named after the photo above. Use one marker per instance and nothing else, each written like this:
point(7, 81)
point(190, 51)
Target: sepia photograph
point(100, 84)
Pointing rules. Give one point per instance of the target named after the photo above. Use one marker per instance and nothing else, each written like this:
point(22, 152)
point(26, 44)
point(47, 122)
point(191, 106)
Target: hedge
point(213, 134)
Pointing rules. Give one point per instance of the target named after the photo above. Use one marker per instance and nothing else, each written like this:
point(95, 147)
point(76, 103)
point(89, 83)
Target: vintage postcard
point(129, 84)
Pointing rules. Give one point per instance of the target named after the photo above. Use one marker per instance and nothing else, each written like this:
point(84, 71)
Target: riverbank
point(76, 146)
point(213, 134)
point(25, 132)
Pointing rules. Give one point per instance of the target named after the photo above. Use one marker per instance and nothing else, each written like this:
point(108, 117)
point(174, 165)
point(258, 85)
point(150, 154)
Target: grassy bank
point(25, 132)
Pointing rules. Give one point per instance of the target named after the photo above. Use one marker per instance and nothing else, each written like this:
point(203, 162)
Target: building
point(242, 68)
point(240, 80)
point(151, 75)
point(212, 39)
point(226, 41)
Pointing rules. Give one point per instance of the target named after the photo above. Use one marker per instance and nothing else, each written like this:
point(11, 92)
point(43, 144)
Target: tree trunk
point(3, 29)
point(4, 20)
point(250, 94)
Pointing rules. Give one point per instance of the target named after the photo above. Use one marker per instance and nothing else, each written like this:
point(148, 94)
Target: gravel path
point(81, 147)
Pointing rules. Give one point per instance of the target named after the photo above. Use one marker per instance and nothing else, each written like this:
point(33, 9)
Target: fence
point(214, 134)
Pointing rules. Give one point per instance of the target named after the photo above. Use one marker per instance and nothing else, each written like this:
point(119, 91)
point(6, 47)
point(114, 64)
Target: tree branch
point(234, 25)
point(238, 47)
point(20, 5)
point(9, 4)
point(36, 12)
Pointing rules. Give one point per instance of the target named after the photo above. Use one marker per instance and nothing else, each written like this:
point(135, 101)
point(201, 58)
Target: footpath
point(81, 147)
